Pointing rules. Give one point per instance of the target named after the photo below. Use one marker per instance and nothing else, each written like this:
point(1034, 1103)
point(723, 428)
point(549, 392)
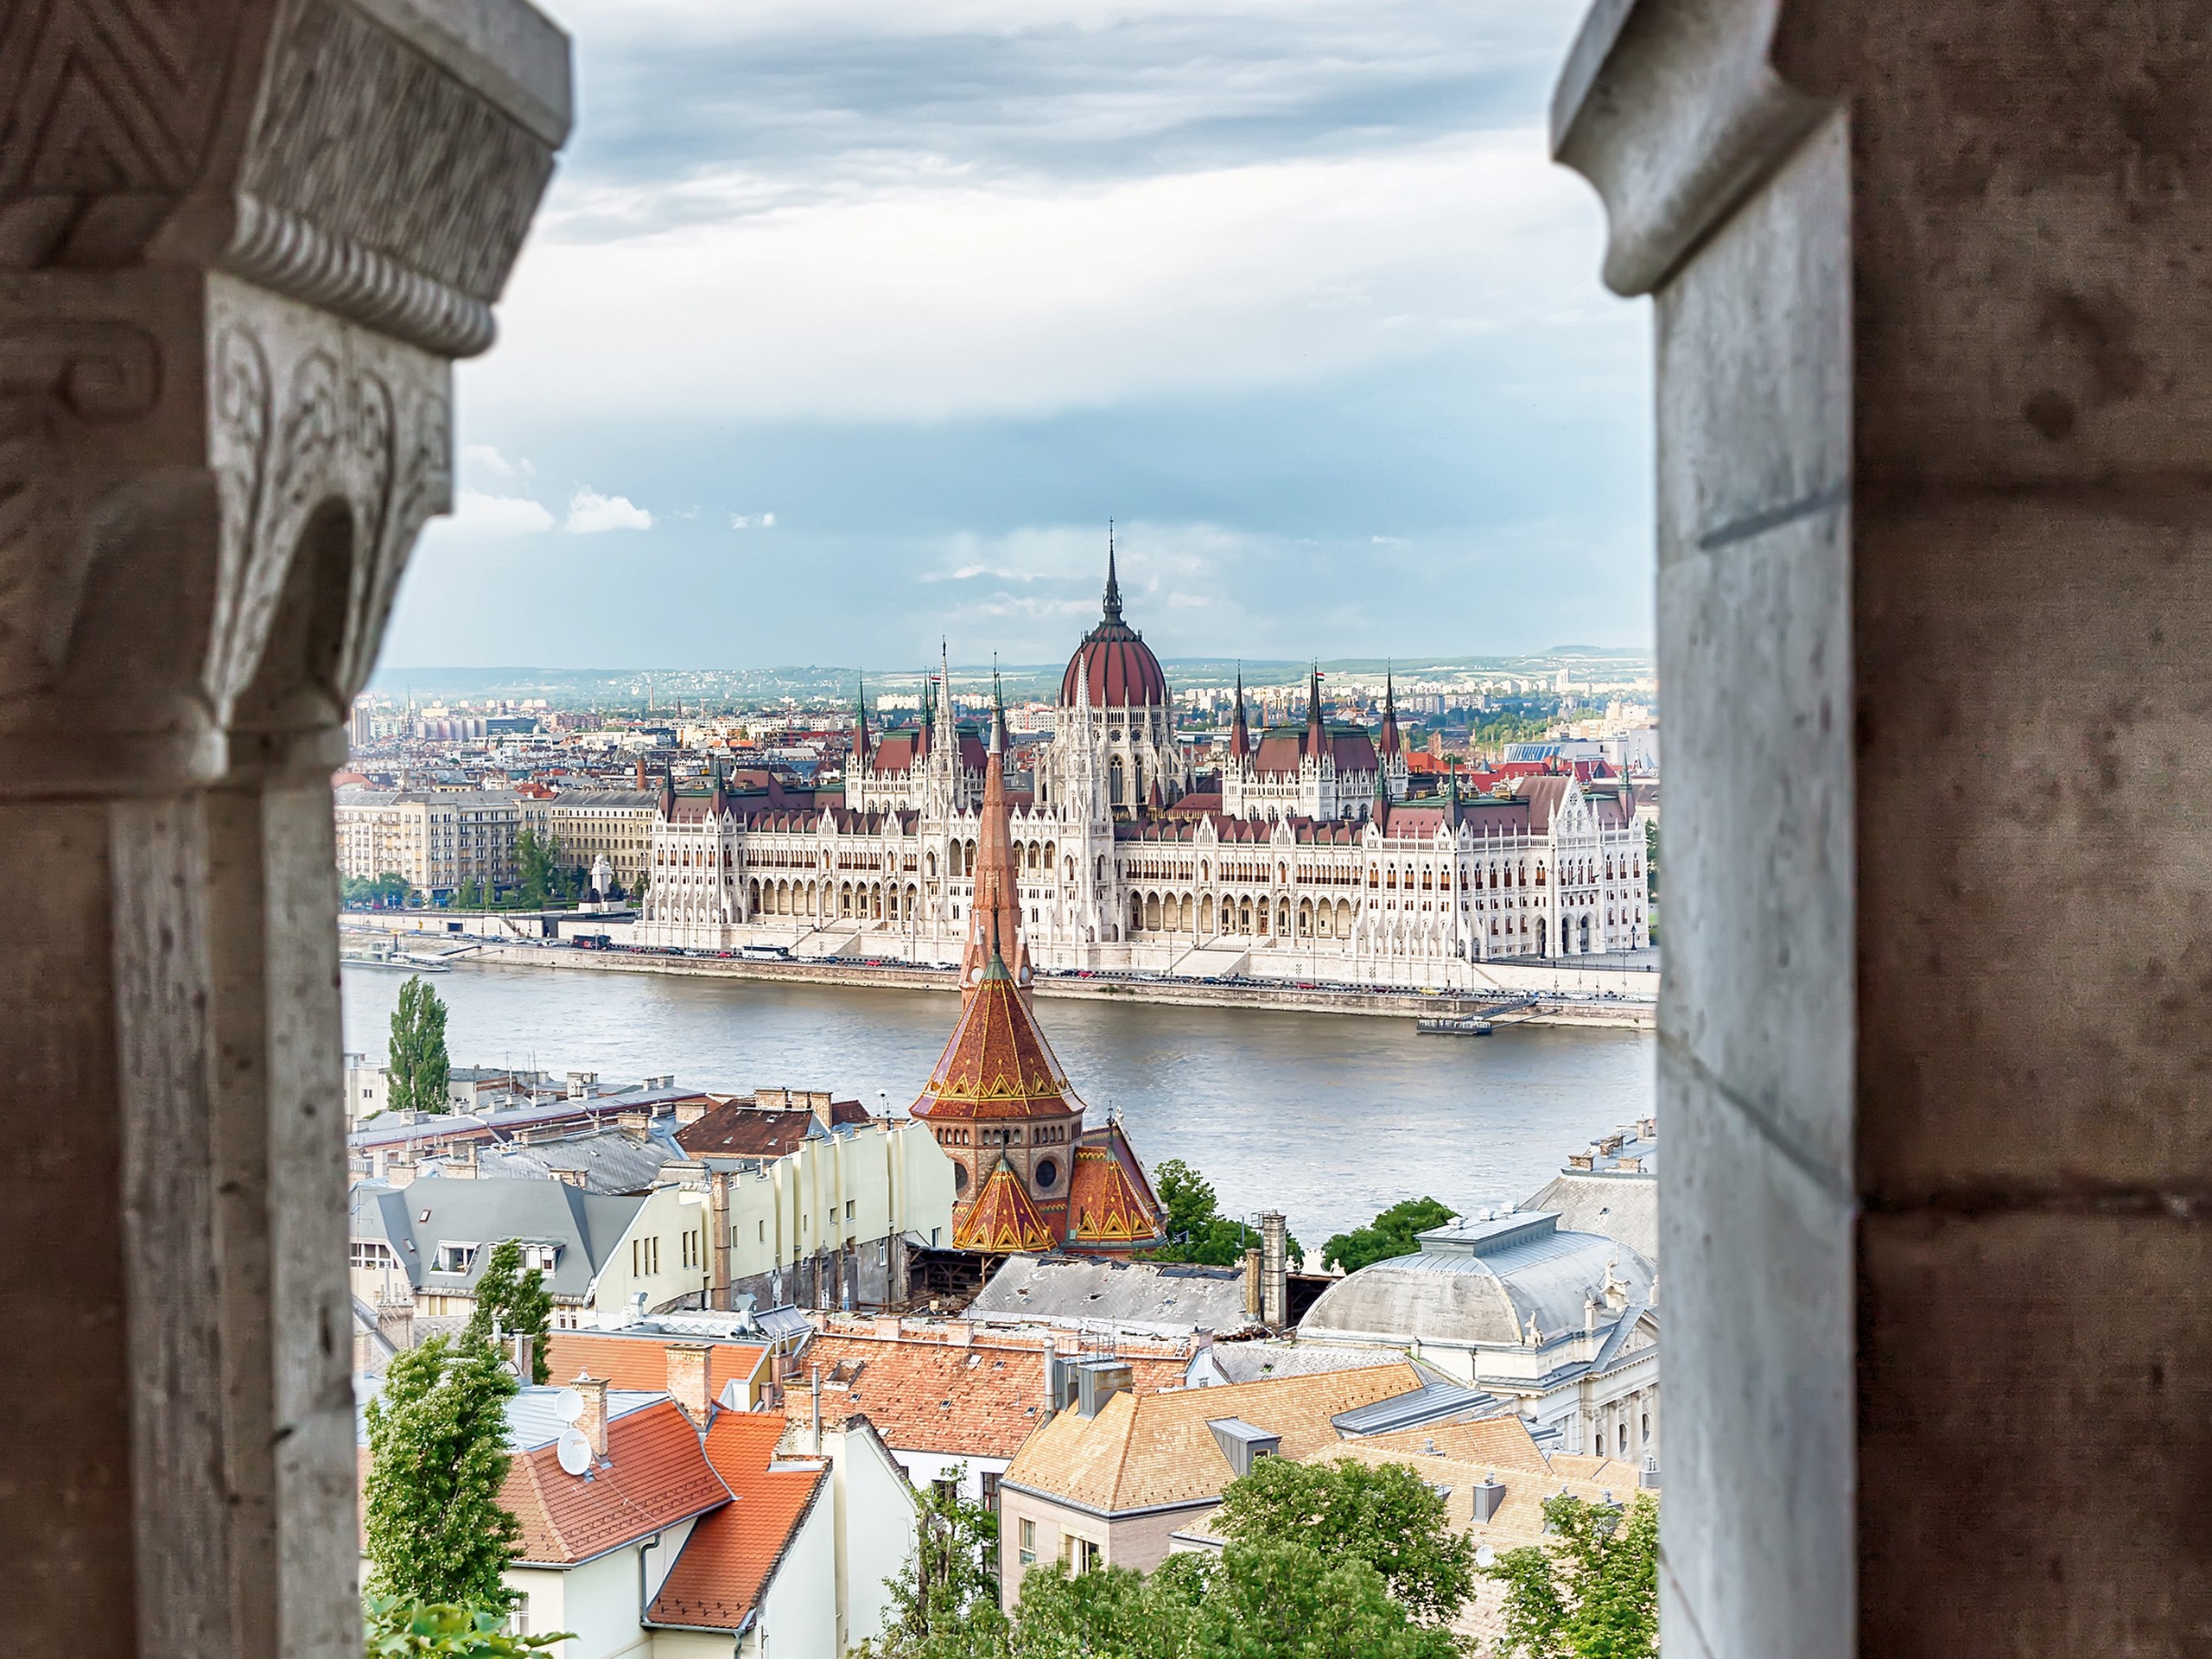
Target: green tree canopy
point(537, 870)
point(389, 889)
point(1593, 1594)
point(437, 1457)
point(1196, 1232)
point(1384, 1515)
point(1389, 1235)
point(469, 895)
point(402, 1627)
point(419, 1064)
point(944, 1602)
point(512, 1303)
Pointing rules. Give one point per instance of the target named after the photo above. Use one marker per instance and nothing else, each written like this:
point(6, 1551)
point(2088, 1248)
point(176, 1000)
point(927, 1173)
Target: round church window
point(960, 1178)
point(1047, 1172)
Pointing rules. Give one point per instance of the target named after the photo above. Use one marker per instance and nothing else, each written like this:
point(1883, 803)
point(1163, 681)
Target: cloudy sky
point(849, 323)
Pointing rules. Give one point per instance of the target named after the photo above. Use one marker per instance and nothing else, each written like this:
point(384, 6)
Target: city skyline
point(822, 351)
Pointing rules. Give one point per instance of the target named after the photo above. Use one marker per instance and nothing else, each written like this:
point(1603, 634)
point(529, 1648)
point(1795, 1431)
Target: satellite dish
point(575, 1451)
point(568, 1405)
point(1483, 1557)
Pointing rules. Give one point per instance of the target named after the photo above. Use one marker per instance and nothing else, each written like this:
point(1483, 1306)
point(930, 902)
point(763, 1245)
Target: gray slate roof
point(415, 1220)
point(607, 1160)
point(1480, 1282)
point(1146, 1298)
point(1620, 1206)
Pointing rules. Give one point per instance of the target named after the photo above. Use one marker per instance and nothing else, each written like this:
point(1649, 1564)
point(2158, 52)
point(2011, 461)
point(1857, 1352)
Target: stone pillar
point(239, 246)
point(1934, 392)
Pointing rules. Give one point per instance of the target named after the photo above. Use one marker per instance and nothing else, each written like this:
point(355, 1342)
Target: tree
point(469, 895)
point(1196, 1231)
point(1390, 1233)
point(513, 1303)
point(437, 1458)
point(388, 890)
point(1382, 1514)
point(944, 1603)
point(537, 870)
point(1282, 1600)
point(419, 1064)
point(1592, 1594)
point(403, 1627)
point(1651, 874)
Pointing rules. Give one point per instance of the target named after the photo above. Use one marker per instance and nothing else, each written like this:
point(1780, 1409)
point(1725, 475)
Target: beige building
point(1494, 1481)
point(585, 824)
point(1111, 1478)
point(439, 840)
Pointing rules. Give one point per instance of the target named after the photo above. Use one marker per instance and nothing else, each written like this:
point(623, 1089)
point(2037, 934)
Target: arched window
point(1136, 912)
point(1117, 781)
point(1282, 919)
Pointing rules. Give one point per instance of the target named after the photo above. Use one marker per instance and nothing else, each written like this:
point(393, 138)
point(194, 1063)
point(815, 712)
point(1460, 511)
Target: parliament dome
point(1113, 665)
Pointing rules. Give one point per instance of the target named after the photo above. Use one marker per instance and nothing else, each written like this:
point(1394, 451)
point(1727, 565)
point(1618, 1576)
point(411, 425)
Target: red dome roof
point(1114, 662)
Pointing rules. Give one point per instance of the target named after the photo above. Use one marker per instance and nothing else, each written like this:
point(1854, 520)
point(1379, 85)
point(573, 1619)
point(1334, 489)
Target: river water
point(1329, 1117)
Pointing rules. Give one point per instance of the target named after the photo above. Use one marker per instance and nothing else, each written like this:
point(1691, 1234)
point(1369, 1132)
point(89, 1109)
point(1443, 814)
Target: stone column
point(1935, 403)
point(240, 246)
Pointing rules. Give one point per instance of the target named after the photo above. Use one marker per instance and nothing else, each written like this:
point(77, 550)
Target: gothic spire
point(860, 726)
point(1240, 734)
point(1317, 731)
point(1113, 581)
point(1390, 742)
point(998, 711)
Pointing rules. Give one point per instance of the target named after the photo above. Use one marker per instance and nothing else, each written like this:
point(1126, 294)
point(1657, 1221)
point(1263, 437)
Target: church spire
point(1240, 734)
point(1113, 581)
point(1317, 730)
point(994, 913)
point(1391, 744)
point(860, 728)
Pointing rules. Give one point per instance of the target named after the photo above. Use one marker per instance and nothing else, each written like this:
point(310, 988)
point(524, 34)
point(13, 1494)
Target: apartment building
point(585, 824)
point(439, 840)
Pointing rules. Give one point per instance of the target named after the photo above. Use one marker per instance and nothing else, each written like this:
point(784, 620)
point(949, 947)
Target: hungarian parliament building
point(1304, 856)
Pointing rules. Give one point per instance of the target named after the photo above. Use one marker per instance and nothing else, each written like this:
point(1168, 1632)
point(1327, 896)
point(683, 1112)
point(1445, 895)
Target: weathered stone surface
point(238, 246)
point(1934, 386)
point(2062, 1511)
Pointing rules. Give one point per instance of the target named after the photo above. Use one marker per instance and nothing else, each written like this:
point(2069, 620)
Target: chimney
point(887, 1327)
point(1252, 1297)
point(718, 1259)
point(691, 1111)
point(1052, 1382)
point(643, 786)
point(1488, 1496)
point(818, 1101)
point(396, 1323)
point(958, 1333)
point(592, 1425)
point(1647, 1478)
point(525, 1361)
point(1274, 1270)
point(687, 1378)
point(1098, 1380)
point(815, 1386)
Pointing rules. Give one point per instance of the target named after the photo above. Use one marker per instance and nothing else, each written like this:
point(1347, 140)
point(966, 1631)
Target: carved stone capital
point(1673, 109)
point(240, 246)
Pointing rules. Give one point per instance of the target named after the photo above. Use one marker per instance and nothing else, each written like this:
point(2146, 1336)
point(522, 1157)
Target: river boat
point(389, 957)
point(1466, 1027)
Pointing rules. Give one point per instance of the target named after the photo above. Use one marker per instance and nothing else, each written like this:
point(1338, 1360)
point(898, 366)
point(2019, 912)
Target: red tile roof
point(1110, 1205)
point(733, 1553)
point(641, 1361)
point(979, 1401)
point(1002, 1218)
point(653, 1475)
point(997, 1063)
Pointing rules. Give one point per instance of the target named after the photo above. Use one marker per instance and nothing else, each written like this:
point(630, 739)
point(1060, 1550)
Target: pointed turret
point(995, 912)
point(667, 794)
point(861, 750)
point(1240, 734)
point(718, 801)
point(1317, 730)
point(1389, 745)
point(1381, 810)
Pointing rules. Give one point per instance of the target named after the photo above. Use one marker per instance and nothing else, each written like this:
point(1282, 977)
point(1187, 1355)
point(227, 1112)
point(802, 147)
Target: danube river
point(1329, 1117)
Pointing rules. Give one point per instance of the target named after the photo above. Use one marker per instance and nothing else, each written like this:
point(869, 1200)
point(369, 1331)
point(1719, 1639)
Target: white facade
point(1294, 878)
point(438, 840)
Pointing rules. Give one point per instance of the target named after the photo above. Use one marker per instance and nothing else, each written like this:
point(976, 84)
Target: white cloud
point(487, 458)
point(589, 512)
point(767, 521)
point(950, 300)
point(478, 514)
point(748, 521)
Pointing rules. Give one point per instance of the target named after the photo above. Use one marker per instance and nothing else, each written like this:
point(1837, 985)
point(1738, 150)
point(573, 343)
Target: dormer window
point(452, 1257)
